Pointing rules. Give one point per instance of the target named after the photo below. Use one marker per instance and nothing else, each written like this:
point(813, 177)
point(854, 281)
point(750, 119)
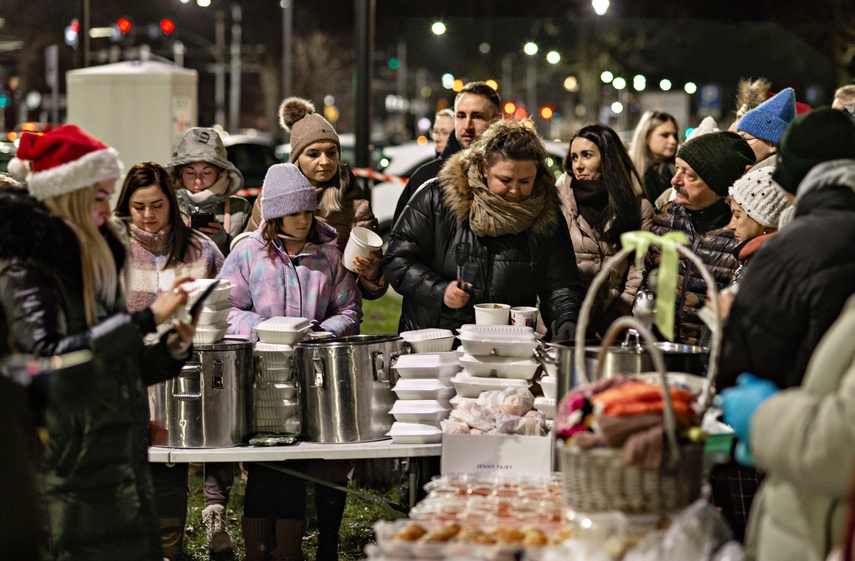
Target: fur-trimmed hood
point(28, 231)
point(458, 196)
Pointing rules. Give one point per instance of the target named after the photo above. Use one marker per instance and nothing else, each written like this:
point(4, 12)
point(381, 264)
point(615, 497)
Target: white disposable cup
point(524, 315)
point(361, 241)
point(492, 314)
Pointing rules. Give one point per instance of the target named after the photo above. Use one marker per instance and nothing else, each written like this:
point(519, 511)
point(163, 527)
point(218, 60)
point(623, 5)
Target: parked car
point(252, 154)
point(401, 161)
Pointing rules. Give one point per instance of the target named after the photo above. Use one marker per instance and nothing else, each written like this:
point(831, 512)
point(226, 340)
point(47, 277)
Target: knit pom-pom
point(17, 168)
point(292, 110)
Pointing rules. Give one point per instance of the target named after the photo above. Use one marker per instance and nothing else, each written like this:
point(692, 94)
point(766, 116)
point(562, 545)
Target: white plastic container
point(208, 316)
point(210, 334)
point(414, 433)
point(425, 411)
point(549, 384)
point(500, 367)
point(196, 287)
point(473, 386)
point(272, 355)
point(498, 340)
point(546, 405)
point(360, 242)
point(282, 330)
point(431, 340)
point(423, 388)
point(429, 365)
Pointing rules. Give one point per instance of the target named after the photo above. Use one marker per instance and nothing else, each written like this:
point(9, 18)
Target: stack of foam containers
point(496, 357)
point(549, 385)
point(423, 388)
point(276, 401)
point(213, 316)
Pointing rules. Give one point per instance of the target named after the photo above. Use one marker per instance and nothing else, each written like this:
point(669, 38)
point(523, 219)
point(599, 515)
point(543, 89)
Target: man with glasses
point(476, 106)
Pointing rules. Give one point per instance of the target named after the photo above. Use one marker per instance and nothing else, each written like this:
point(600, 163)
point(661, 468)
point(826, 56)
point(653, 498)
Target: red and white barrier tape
point(358, 172)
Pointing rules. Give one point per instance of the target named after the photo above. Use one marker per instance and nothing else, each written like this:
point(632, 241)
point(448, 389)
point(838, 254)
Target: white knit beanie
point(760, 197)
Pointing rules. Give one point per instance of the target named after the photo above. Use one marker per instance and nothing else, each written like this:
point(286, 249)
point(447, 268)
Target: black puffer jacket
point(797, 284)
point(710, 240)
point(99, 492)
point(514, 269)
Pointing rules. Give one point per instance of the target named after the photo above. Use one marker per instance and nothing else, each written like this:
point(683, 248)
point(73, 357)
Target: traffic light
point(124, 25)
point(509, 108)
point(546, 113)
point(167, 26)
point(71, 32)
point(4, 100)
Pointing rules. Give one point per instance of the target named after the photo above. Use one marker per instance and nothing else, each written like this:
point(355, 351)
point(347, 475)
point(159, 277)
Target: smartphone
point(202, 219)
point(197, 305)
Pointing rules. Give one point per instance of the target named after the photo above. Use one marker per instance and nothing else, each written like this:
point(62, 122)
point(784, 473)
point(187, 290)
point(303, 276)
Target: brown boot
point(289, 540)
point(257, 538)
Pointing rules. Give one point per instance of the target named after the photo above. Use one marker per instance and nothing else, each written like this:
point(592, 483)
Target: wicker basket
point(598, 480)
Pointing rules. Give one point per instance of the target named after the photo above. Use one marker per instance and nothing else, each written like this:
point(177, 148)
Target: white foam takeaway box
point(504, 453)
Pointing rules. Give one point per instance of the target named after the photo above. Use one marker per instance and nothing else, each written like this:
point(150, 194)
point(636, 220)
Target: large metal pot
point(346, 387)
point(621, 359)
point(208, 404)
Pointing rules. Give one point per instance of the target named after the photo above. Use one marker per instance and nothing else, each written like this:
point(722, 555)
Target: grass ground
point(379, 317)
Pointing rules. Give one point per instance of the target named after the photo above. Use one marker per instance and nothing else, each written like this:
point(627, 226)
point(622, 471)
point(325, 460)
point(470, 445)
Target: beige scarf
point(491, 215)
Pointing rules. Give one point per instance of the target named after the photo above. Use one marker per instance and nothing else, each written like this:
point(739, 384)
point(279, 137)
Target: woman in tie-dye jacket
point(291, 266)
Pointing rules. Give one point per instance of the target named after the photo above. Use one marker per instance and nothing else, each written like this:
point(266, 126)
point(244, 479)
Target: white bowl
point(282, 330)
point(546, 405)
point(423, 388)
point(196, 287)
point(473, 386)
point(549, 386)
point(427, 411)
point(501, 367)
point(429, 340)
point(414, 433)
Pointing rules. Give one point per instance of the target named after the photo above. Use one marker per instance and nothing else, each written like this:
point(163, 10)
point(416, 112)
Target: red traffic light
point(167, 26)
point(124, 25)
point(75, 26)
point(509, 108)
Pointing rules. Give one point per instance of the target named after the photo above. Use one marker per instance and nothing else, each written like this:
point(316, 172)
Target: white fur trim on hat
point(85, 171)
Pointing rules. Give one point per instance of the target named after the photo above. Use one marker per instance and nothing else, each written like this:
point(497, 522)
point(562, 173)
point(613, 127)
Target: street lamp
point(553, 57)
point(600, 6)
point(665, 84)
point(438, 28)
point(690, 88)
point(531, 76)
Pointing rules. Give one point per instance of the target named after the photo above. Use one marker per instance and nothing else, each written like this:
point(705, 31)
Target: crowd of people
point(766, 205)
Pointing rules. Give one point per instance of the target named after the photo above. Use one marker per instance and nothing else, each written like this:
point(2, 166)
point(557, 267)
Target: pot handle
point(258, 369)
point(187, 396)
point(217, 377)
point(318, 366)
point(378, 365)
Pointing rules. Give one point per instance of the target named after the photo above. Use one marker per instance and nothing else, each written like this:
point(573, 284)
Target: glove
point(740, 402)
point(566, 332)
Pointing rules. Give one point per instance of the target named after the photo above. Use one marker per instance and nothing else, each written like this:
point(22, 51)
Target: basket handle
point(602, 276)
point(628, 322)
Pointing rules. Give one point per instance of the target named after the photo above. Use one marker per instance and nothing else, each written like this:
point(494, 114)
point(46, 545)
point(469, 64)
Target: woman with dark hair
point(602, 198)
point(163, 248)
point(653, 148)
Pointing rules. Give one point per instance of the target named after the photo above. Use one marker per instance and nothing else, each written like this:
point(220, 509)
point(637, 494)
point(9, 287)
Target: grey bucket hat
point(202, 144)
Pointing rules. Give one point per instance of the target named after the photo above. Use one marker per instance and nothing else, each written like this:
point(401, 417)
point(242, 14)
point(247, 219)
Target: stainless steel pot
point(208, 404)
point(620, 359)
point(346, 387)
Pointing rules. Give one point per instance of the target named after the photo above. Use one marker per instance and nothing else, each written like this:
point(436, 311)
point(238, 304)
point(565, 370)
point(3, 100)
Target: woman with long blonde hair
point(61, 258)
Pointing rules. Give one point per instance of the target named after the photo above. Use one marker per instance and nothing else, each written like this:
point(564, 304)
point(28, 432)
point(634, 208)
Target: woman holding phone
point(207, 182)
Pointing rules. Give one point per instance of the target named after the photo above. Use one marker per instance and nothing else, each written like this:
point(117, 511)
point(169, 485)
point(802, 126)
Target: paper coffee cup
point(524, 315)
point(361, 241)
point(492, 314)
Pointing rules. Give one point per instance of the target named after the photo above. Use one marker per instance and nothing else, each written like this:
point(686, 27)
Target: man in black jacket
point(706, 166)
point(475, 107)
point(799, 281)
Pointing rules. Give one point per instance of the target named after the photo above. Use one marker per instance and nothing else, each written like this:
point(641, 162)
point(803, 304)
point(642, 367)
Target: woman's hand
point(370, 267)
point(180, 338)
point(167, 302)
point(455, 298)
point(212, 229)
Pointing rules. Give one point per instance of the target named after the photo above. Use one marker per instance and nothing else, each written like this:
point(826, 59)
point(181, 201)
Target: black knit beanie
point(821, 135)
point(719, 158)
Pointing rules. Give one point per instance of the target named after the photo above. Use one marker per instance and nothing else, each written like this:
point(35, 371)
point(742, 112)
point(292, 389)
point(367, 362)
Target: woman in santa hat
point(61, 261)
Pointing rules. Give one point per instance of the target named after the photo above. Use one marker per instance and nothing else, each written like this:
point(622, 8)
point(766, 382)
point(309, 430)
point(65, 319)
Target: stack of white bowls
point(496, 357)
point(423, 387)
point(213, 317)
point(276, 401)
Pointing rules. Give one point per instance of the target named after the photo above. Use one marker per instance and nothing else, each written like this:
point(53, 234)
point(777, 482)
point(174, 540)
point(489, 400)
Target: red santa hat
point(62, 161)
